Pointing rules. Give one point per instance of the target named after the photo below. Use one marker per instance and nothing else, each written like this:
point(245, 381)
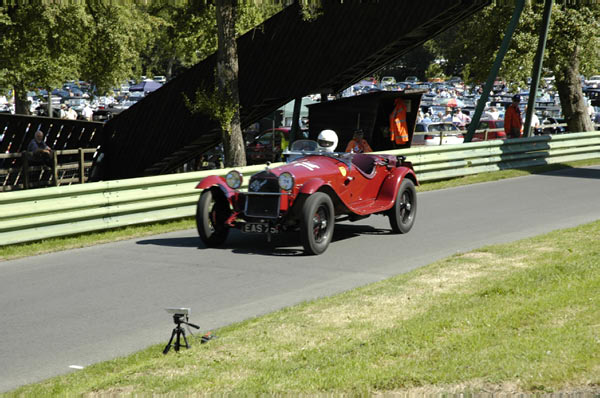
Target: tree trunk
point(170, 68)
point(22, 105)
point(49, 104)
point(572, 101)
point(227, 81)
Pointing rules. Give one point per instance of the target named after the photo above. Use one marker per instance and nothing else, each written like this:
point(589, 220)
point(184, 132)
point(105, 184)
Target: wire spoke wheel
point(402, 214)
point(211, 214)
point(317, 223)
point(320, 222)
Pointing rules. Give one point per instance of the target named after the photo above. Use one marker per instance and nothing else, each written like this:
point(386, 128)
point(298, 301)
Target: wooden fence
point(68, 166)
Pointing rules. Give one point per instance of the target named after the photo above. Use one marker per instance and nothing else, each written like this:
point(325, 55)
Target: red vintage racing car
point(312, 191)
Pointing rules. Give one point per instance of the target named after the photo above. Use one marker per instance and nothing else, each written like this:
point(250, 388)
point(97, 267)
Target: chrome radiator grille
point(263, 196)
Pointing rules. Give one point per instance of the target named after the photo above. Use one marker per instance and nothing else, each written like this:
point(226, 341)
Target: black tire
point(211, 213)
point(403, 214)
point(317, 224)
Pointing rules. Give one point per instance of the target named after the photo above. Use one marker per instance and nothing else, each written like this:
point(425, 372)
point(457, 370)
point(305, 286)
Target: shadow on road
point(282, 245)
point(571, 172)
point(193, 241)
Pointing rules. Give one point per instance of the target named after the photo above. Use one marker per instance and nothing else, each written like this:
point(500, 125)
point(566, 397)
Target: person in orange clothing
point(358, 144)
point(512, 119)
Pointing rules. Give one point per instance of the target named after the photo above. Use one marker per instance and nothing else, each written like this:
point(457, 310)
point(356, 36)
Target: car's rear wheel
point(211, 213)
point(318, 220)
point(402, 215)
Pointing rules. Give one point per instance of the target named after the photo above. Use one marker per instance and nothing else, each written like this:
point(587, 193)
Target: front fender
point(217, 181)
point(389, 188)
point(311, 186)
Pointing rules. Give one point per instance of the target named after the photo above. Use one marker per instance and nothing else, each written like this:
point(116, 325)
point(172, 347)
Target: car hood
point(312, 166)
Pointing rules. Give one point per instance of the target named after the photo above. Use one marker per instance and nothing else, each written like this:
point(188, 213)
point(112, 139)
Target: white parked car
point(593, 81)
point(430, 133)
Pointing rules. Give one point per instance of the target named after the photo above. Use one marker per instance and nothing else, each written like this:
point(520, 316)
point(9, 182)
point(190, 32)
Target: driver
point(327, 141)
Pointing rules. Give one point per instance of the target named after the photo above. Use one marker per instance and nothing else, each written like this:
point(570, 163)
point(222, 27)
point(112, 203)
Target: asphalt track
point(87, 305)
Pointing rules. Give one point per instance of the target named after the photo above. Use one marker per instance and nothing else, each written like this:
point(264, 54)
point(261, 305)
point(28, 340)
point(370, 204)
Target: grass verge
point(88, 239)
point(518, 317)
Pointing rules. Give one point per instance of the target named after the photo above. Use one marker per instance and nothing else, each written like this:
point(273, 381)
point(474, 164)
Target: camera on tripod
point(180, 317)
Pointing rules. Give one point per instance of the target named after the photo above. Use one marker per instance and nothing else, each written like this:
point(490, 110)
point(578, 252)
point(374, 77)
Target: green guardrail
point(32, 215)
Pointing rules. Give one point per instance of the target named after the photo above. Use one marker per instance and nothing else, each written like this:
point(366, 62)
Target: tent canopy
point(146, 86)
point(368, 112)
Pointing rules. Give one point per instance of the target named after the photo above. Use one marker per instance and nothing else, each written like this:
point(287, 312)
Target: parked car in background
point(549, 126)
point(270, 144)
point(593, 81)
point(488, 125)
point(77, 103)
point(387, 80)
point(430, 133)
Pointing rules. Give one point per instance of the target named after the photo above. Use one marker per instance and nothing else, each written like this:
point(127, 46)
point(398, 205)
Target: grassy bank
point(519, 317)
point(88, 239)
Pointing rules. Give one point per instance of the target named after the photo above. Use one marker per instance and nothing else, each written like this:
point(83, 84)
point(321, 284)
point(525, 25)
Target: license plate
point(259, 228)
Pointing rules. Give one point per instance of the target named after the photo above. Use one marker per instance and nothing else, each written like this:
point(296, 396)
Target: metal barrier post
point(55, 167)
point(81, 166)
point(25, 165)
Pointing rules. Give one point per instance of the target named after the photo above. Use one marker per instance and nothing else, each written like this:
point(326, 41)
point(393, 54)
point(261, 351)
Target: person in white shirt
point(494, 114)
point(71, 113)
point(462, 119)
point(535, 120)
point(87, 113)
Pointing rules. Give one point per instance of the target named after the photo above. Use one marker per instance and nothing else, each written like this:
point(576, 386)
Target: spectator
point(358, 144)
point(512, 118)
point(38, 151)
point(71, 113)
point(460, 118)
point(63, 111)
point(87, 113)
point(493, 113)
point(448, 116)
point(427, 119)
point(535, 121)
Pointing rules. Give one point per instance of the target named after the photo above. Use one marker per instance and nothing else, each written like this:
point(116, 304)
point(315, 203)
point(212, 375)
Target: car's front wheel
point(211, 213)
point(318, 220)
point(402, 215)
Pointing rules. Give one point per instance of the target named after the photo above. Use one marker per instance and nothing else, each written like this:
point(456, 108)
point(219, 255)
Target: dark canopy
point(285, 58)
point(368, 112)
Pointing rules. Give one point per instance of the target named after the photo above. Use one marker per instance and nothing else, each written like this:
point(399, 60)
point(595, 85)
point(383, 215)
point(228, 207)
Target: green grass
point(88, 239)
point(518, 317)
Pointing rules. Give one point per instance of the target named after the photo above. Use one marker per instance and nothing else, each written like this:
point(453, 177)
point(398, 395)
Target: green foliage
point(573, 27)
point(188, 34)
point(574, 33)
point(117, 37)
point(434, 70)
point(216, 104)
point(40, 45)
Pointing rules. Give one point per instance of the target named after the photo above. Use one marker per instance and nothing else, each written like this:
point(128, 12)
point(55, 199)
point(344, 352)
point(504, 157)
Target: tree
point(116, 38)
point(39, 47)
point(222, 102)
point(187, 35)
point(572, 48)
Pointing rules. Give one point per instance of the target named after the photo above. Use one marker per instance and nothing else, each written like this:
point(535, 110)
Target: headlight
point(234, 179)
point(286, 181)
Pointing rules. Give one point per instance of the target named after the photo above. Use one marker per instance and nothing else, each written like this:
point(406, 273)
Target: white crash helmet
point(327, 140)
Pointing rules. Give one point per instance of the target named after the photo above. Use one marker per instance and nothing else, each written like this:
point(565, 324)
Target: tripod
point(179, 332)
